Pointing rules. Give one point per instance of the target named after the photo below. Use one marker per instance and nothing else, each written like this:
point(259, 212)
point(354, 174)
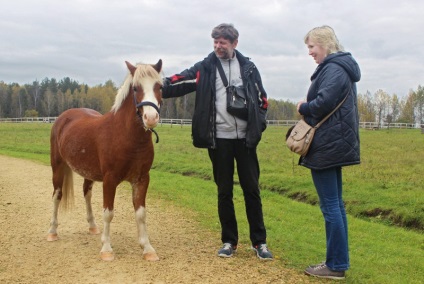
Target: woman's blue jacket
point(336, 142)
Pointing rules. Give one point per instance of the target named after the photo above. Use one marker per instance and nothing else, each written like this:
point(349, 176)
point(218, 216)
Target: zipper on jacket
point(213, 118)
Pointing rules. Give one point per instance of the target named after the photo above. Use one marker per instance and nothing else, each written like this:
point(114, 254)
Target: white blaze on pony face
point(146, 81)
point(149, 114)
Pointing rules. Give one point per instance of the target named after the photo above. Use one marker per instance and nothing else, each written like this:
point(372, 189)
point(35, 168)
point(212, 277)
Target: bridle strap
point(153, 105)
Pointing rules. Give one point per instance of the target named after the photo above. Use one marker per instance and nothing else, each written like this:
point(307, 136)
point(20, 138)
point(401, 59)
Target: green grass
point(379, 253)
point(26, 140)
point(382, 194)
point(387, 187)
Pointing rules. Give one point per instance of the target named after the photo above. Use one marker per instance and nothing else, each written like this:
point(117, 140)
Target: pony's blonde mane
point(142, 71)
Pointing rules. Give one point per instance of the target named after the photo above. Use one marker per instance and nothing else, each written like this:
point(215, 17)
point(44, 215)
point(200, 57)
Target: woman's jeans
point(328, 184)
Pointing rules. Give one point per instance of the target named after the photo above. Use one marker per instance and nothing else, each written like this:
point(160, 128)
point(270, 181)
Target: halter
point(137, 109)
point(146, 103)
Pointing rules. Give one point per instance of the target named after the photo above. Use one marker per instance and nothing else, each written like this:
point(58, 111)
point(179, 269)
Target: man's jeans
point(222, 158)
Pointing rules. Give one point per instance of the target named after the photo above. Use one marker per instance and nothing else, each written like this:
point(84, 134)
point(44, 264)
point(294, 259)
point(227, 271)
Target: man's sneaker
point(322, 271)
point(227, 250)
point(262, 252)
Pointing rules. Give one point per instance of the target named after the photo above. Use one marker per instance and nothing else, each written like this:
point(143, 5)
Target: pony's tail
point(67, 201)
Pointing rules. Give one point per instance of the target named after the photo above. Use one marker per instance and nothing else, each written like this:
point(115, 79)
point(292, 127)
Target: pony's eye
point(135, 89)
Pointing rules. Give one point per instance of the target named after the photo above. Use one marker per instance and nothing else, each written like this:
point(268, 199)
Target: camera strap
point(221, 73)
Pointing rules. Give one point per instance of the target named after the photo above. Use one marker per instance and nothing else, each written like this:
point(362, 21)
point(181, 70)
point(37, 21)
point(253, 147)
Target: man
point(228, 137)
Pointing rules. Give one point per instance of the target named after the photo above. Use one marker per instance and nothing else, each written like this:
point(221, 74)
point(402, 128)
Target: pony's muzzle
point(150, 117)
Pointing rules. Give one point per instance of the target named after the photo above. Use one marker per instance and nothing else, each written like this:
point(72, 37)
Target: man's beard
point(224, 54)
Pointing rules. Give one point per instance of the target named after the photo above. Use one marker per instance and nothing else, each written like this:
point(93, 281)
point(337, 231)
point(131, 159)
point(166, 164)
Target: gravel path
point(187, 254)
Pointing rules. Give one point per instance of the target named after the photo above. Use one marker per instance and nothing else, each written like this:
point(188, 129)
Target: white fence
point(182, 122)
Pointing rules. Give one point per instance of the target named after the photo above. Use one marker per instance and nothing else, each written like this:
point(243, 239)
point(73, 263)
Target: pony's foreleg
point(109, 190)
point(149, 252)
point(87, 187)
point(107, 253)
point(139, 202)
point(52, 233)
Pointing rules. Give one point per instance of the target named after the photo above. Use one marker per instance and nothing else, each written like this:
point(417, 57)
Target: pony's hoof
point(151, 256)
point(107, 255)
point(94, 231)
point(52, 237)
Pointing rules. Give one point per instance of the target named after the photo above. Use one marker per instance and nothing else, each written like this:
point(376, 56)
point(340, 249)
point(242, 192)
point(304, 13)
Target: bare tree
point(381, 99)
point(419, 104)
point(36, 91)
point(366, 107)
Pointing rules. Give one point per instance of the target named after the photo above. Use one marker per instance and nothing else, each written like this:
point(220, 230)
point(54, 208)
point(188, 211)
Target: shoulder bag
point(299, 137)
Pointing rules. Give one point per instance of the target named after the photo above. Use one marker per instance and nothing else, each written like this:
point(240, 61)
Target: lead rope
point(137, 105)
point(149, 129)
point(157, 136)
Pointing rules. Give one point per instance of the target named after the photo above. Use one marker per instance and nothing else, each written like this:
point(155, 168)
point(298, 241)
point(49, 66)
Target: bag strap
point(221, 73)
point(328, 115)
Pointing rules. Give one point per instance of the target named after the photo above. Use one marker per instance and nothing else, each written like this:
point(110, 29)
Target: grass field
point(387, 187)
point(384, 196)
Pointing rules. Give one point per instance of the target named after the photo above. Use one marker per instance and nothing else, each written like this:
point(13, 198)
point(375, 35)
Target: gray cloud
point(90, 40)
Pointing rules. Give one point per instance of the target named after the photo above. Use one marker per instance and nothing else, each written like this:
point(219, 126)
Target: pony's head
point(144, 83)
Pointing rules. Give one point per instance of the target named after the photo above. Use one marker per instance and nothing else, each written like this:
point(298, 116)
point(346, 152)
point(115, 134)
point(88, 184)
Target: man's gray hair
point(227, 31)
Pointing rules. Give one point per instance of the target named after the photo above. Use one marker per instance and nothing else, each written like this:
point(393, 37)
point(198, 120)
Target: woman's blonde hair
point(325, 37)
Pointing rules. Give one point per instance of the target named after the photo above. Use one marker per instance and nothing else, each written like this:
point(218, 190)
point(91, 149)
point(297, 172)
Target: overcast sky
point(89, 40)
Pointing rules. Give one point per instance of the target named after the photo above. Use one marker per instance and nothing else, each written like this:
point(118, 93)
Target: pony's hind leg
point(88, 192)
point(63, 194)
point(52, 233)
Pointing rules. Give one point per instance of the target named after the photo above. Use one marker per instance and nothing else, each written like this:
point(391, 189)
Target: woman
point(336, 142)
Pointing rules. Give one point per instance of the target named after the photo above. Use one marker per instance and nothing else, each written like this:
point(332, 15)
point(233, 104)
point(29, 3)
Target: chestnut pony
point(110, 148)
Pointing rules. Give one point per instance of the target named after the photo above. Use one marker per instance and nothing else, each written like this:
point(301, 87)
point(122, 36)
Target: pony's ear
point(158, 66)
point(131, 67)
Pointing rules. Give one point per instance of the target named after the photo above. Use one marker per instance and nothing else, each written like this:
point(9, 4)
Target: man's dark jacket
point(201, 78)
point(336, 142)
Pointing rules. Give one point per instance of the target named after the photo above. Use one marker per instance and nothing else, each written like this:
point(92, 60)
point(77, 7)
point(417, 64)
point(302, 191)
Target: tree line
point(51, 97)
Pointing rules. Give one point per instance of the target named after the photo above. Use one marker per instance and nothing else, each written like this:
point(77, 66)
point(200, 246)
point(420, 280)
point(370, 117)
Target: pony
point(109, 148)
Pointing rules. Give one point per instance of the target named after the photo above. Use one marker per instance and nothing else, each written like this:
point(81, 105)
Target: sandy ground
point(187, 254)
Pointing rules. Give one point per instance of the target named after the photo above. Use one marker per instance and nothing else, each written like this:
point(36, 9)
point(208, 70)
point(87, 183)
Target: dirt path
point(187, 255)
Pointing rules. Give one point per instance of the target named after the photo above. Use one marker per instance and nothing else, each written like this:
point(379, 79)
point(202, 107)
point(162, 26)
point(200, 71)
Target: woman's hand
point(298, 106)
